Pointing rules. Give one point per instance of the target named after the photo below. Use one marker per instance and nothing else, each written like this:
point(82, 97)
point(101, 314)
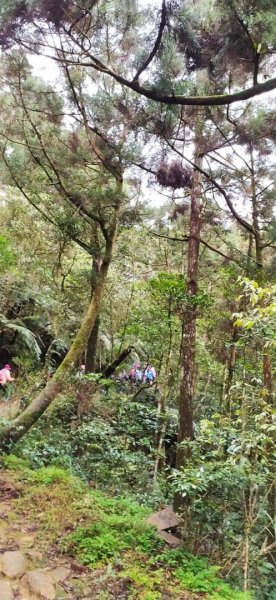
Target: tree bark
point(110, 369)
point(91, 348)
point(187, 384)
point(17, 428)
point(255, 217)
point(162, 402)
point(271, 496)
point(230, 370)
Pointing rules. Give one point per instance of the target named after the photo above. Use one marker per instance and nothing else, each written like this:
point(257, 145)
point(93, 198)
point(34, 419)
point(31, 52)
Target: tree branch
point(157, 96)
point(156, 45)
point(186, 239)
point(45, 216)
point(229, 203)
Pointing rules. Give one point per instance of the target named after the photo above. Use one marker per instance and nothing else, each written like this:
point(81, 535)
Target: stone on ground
point(170, 539)
point(59, 574)
point(13, 564)
point(164, 519)
point(6, 592)
point(40, 583)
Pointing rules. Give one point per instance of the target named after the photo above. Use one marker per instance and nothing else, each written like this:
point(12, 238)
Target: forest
point(137, 300)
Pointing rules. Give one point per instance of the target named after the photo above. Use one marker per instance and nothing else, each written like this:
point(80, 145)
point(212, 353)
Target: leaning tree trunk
point(17, 428)
point(111, 368)
point(188, 367)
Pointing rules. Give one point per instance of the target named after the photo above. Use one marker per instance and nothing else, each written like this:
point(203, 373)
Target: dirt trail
point(29, 570)
point(8, 410)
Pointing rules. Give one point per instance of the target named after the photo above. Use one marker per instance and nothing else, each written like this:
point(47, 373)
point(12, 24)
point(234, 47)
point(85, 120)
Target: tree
point(249, 24)
point(76, 205)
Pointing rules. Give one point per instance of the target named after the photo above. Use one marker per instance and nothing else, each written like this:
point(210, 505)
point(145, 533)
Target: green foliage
point(114, 445)
point(145, 581)
point(119, 527)
point(7, 257)
point(111, 534)
point(52, 475)
point(230, 467)
point(259, 317)
point(26, 337)
point(197, 575)
point(16, 463)
point(114, 450)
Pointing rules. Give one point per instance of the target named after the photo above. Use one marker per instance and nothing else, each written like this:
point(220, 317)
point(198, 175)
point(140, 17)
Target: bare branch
point(229, 203)
point(156, 45)
point(186, 238)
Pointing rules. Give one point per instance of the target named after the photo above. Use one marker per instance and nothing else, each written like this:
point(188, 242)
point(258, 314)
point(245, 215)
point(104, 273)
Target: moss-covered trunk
point(17, 428)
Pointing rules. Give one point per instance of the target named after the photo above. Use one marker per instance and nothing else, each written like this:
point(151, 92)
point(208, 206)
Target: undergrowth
point(110, 535)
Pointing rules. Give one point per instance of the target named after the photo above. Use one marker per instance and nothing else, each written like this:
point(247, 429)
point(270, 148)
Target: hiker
point(150, 375)
point(132, 374)
point(122, 377)
point(5, 382)
point(139, 376)
point(82, 371)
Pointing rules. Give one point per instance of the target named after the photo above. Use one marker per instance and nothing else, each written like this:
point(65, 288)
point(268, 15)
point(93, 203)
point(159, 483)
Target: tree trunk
point(162, 403)
point(255, 218)
point(230, 370)
point(110, 369)
point(267, 372)
point(15, 430)
point(271, 496)
point(187, 384)
point(91, 348)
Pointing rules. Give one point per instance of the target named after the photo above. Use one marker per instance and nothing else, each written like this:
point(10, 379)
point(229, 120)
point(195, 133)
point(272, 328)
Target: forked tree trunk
point(17, 428)
point(187, 384)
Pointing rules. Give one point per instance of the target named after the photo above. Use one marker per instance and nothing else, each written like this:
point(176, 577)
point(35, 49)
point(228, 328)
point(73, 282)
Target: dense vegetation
point(138, 226)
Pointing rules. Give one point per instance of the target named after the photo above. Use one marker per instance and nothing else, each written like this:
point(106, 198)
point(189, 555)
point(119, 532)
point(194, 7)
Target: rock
point(61, 594)
point(172, 540)
point(3, 533)
point(40, 583)
point(13, 564)
point(27, 540)
point(35, 555)
point(59, 574)
point(164, 519)
point(6, 592)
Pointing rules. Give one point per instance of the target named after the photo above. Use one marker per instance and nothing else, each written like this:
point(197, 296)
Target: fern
point(26, 336)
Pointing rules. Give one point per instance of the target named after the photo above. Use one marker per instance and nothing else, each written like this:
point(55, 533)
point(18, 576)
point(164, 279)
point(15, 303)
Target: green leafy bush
point(52, 475)
point(120, 526)
point(15, 463)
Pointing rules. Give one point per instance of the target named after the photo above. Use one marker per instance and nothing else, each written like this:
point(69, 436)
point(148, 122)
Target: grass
point(111, 537)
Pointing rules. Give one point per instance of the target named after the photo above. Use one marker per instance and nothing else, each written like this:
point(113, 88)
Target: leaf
point(27, 337)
